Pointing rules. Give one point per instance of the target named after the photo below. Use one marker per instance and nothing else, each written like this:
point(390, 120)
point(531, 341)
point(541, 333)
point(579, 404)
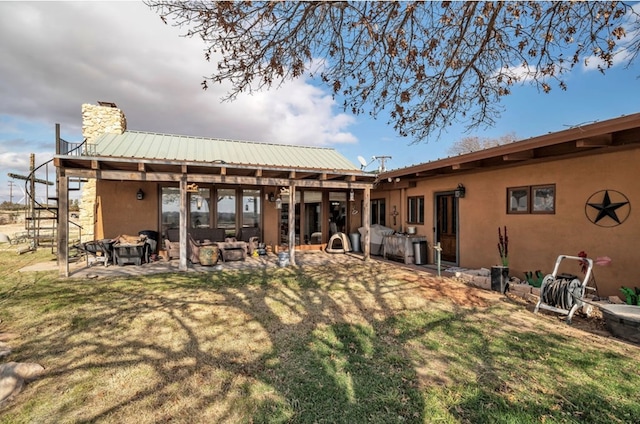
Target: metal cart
point(564, 293)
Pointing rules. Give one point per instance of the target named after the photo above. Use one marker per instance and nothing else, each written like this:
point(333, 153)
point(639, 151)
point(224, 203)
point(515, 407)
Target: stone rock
point(4, 238)
point(5, 350)
point(13, 376)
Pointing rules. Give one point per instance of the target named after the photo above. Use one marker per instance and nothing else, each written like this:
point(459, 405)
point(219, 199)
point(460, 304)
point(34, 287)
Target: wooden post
point(292, 223)
point(63, 223)
point(183, 223)
point(366, 223)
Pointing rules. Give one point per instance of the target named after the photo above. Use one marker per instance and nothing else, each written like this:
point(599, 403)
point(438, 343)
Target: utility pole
point(382, 167)
point(11, 192)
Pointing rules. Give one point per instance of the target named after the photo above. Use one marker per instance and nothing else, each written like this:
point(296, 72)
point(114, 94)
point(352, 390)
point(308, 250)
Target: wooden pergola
point(75, 161)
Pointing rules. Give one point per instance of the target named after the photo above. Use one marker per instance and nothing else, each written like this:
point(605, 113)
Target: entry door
point(447, 226)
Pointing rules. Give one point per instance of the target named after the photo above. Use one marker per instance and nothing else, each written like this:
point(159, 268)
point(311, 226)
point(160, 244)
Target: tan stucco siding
point(536, 240)
point(271, 221)
point(120, 213)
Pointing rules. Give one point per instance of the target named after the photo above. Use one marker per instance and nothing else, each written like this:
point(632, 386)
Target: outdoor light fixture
point(199, 202)
point(460, 191)
point(351, 196)
point(270, 197)
point(140, 194)
point(278, 203)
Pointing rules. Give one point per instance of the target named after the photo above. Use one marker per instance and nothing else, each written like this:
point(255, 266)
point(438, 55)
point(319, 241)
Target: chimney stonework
point(96, 120)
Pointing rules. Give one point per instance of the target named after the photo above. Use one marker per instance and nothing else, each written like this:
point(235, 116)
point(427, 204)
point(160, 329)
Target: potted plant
point(632, 295)
point(500, 273)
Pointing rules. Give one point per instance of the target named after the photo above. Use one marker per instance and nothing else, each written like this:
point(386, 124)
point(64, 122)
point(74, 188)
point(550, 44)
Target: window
point(312, 224)
point(200, 216)
point(544, 199)
point(415, 210)
point(226, 208)
point(378, 211)
point(251, 205)
point(531, 199)
point(170, 208)
point(518, 200)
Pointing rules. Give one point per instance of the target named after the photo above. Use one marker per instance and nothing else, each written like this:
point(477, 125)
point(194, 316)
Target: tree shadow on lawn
point(326, 344)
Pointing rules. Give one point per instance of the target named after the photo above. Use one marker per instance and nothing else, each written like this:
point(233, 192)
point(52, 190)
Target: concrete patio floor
point(80, 270)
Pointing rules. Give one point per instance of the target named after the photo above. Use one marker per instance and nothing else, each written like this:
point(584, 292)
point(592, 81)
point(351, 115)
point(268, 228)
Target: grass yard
point(348, 343)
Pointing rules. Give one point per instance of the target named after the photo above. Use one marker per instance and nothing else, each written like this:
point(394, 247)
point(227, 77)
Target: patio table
point(128, 253)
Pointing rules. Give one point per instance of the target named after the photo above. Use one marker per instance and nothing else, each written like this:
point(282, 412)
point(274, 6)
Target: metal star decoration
point(607, 208)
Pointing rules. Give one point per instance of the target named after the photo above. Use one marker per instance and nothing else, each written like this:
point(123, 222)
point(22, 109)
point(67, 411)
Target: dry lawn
point(276, 346)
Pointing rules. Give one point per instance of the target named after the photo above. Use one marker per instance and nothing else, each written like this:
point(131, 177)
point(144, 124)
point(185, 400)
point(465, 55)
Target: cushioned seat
point(199, 236)
point(251, 236)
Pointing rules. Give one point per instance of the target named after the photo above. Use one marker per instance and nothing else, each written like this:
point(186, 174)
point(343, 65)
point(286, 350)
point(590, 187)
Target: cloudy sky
point(55, 56)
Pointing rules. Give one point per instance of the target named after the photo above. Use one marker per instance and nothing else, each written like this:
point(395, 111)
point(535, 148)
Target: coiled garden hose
point(561, 292)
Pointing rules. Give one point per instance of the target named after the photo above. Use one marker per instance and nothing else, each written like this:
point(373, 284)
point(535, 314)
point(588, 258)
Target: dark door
point(447, 226)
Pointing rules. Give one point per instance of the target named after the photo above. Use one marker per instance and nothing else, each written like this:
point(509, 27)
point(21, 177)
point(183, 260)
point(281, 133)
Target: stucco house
point(138, 181)
point(559, 193)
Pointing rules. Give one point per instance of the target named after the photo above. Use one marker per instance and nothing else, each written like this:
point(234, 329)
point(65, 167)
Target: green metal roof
point(166, 147)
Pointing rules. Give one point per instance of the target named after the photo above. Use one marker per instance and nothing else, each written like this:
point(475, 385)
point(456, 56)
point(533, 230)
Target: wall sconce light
point(140, 194)
point(278, 203)
point(397, 179)
point(352, 196)
point(199, 202)
point(460, 191)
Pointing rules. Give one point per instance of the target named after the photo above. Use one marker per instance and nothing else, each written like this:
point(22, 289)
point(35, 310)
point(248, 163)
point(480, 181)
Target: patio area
point(80, 270)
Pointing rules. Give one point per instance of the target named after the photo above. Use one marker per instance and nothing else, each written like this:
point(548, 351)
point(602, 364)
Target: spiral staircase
point(41, 214)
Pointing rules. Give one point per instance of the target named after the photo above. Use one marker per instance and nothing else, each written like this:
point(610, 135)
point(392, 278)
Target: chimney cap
point(107, 104)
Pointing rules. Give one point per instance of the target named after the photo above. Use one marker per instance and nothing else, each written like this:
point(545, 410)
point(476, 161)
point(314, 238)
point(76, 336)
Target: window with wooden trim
point(543, 198)
point(415, 210)
point(531, 199)
point(378, 212)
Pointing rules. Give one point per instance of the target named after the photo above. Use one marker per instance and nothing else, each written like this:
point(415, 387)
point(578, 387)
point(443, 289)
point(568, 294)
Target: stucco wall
point(271, 230)
point(119, 212)
point(536, 240)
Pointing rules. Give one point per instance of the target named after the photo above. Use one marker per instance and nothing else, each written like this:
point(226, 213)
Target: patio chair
point(97, 251)
point(251, 236)
point(194, 250)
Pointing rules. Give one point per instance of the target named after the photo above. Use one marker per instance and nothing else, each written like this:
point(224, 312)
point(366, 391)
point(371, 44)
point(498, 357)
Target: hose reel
point(563, 293)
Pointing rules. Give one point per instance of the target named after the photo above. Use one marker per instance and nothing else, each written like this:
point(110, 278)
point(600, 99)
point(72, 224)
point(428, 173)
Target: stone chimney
point(101, 119)
point(96, 120)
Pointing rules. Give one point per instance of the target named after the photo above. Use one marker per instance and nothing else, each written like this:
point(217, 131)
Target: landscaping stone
point(13, 376)
point(5, 350)
point(522, 290)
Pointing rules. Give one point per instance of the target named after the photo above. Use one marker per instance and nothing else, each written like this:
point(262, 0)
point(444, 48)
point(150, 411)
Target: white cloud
point(58, 55)
point(64, 54)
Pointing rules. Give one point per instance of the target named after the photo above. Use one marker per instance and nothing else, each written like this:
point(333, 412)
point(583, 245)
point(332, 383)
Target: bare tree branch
point(426, 65)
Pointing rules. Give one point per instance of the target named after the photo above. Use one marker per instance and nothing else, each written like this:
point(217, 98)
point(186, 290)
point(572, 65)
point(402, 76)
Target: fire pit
point(622, 321)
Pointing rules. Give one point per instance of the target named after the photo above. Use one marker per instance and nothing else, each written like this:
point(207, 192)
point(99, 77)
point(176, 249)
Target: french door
point(447, 226)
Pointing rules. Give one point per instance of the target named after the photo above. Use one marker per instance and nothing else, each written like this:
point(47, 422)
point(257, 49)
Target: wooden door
point(447, 226)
